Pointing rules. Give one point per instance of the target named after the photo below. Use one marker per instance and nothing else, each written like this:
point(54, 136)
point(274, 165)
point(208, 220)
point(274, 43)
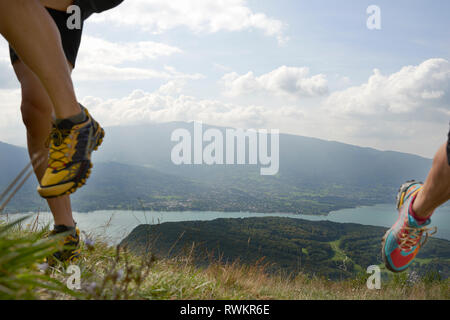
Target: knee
point(36, 105)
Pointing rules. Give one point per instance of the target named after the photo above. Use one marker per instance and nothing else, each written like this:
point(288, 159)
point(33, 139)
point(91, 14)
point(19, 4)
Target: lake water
point(116, 225)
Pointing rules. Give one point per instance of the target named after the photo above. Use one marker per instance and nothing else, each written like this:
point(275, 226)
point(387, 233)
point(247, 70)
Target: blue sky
point(304, 67)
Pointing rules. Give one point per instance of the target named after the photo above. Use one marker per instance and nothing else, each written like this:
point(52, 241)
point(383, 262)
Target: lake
point(116, 225)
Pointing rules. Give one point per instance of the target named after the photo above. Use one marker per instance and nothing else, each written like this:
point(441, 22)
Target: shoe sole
point(383, 253)
point(88, 174)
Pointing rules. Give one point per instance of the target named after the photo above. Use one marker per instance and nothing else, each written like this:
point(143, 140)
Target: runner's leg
point(436, 190)
point(37, 41)
point(37, 109)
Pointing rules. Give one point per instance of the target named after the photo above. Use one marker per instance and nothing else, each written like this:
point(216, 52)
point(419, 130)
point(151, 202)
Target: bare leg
point(436, 190)
point(32, 33)
point(37, 109)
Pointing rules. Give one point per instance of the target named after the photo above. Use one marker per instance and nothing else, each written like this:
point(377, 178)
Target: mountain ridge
point(315, 177)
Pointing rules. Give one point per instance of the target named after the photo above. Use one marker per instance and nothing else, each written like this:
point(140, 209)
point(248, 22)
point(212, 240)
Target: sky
point(310, 68)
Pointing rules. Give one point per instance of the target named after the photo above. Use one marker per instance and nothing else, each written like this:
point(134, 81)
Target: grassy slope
point(180, 279)
point(113, 273)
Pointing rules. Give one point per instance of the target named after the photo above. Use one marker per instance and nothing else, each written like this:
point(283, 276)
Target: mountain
point(324, 248)
point(134, 170)
point(13, 160)
point(302, 160)
point(315, 176)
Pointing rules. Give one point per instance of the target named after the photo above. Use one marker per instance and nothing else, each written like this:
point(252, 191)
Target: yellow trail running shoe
point(69, 163)
point(70, 243)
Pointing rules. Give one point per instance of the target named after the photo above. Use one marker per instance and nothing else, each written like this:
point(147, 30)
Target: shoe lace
point(410, 237)
point(59, 151)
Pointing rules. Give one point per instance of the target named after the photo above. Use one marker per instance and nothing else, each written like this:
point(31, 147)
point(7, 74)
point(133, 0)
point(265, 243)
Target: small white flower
point(413, 277)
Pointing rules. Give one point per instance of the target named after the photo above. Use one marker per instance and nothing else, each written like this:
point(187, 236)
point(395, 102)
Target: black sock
point(76, 119)
point(63, 228)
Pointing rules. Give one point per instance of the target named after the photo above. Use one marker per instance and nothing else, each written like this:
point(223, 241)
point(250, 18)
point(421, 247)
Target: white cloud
point(167, 104)
point(7, 77)
point(99, 51)
point(200, 16)
point(413, 89)
point(102, 60)
point(4, 50)
point(102, 72)
point(284, 81)
point(406, 111)
point(11, 126)
point(173, 87)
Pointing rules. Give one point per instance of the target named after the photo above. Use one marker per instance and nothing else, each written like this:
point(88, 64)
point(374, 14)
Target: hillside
point(324, 248)
point(315, 176)
point(110, 273)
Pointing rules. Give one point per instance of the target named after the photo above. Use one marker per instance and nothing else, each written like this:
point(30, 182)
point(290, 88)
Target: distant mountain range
point(133, 170)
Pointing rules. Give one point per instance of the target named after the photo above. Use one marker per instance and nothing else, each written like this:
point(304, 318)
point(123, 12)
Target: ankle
point(65, 223)
point(70, 111)
point(416, 212)
point(63, 228)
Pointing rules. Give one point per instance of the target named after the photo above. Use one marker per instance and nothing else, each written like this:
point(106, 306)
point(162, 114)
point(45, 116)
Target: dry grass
point(117, 274)
point(179, 278)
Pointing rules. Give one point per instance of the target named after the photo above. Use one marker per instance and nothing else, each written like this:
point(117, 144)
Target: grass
point(114, 273)
point(423, 260)
point(339, 255)
point(21, 249)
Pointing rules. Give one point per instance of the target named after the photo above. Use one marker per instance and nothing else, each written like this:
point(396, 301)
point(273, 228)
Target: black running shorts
point(70, 39)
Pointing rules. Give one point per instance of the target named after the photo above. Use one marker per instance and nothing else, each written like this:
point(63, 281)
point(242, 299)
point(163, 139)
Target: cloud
point(284, 81)
point(102, 60)
point(406, 111)
point(169, 104)
point(10, 117)
point(7, 77)
point(100, 72)
point(173, 87)
point(4, 50)
point(200, 16)
point(100, 51)
point(421, 90)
